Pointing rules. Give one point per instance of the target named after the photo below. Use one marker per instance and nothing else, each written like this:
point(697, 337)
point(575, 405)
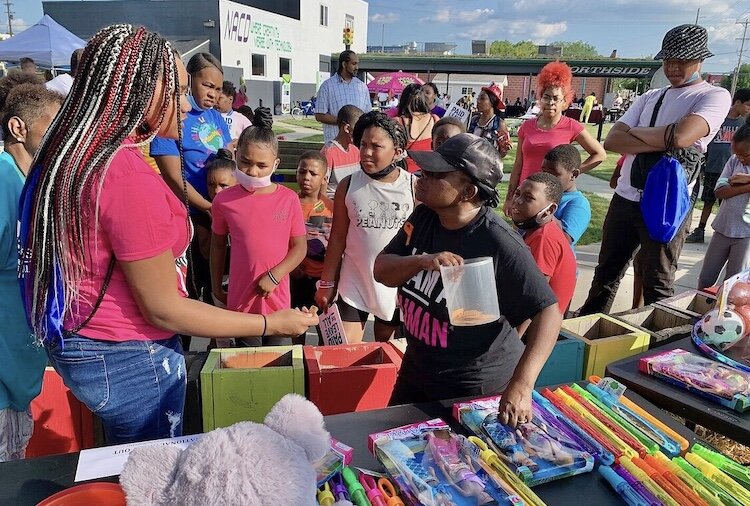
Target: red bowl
point(90, 494)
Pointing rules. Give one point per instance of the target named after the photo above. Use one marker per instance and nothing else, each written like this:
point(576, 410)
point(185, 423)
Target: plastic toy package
point(434, 466)
point(716, 381)
point(338, 456)
point(539, 451)
point(723, 333)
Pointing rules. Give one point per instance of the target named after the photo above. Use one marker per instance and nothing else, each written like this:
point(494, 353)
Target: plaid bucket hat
point(685, 42)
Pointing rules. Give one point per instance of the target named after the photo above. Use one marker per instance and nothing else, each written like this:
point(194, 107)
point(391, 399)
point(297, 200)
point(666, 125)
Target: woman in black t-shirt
point(457, 221)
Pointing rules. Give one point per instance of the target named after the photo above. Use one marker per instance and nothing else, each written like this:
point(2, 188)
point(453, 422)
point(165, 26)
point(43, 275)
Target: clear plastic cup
point(471, 292)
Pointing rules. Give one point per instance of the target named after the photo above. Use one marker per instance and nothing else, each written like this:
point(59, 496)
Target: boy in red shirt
point(342, 156)
point(534, 204)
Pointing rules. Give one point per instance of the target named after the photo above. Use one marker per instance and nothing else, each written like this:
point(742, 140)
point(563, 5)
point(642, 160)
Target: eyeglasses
point(551, 100)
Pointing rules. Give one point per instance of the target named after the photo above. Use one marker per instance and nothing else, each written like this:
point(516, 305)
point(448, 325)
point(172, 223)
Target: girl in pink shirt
point(265, 222)
point(538, 136)
point(103, 242)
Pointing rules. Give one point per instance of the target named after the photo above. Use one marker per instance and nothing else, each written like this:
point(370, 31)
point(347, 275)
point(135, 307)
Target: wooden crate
point(662, 323)
point(351, 377)
point(606, 340)
point(693, 303)
point(565, 363)
point(62, 423)
point(245, 383)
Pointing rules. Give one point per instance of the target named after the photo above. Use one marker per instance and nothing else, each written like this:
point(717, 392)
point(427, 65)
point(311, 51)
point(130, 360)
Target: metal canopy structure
point(605, 67)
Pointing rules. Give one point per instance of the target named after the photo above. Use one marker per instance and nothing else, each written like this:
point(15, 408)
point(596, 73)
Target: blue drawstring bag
point(665, 201)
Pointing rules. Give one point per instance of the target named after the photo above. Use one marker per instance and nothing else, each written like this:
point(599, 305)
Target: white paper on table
point(110, 460)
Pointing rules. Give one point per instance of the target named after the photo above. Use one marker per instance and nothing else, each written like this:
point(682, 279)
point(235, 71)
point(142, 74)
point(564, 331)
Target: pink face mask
point(251, 183)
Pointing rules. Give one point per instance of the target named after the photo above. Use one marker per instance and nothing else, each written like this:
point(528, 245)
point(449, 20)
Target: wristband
point(265, 326)
point(273, 278)
point(320, 284)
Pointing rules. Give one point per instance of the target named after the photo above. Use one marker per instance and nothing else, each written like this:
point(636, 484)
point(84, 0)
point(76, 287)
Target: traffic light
point(348, 36)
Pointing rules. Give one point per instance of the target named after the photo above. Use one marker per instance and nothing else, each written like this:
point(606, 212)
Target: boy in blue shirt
point(574, 212)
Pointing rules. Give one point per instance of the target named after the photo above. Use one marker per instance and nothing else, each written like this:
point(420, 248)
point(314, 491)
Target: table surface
point(26, 482)
point(680, 401)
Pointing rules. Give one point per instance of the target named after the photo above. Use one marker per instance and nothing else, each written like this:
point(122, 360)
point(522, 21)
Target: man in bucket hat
point(690, 109)
point(456, 221)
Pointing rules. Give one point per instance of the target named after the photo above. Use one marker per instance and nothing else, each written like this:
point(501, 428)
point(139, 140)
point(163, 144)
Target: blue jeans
point(137, 388)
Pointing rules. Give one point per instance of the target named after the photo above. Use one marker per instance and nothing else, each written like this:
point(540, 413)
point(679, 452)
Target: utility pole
point(697, 15)
point(739, 58)
point(382, 38)
point(8, 5)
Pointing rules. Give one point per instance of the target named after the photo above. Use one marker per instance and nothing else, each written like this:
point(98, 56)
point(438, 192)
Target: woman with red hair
point(538, 136)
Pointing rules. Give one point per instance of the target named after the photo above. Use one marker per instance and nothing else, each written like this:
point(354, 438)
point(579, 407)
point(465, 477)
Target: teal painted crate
point(565, 363)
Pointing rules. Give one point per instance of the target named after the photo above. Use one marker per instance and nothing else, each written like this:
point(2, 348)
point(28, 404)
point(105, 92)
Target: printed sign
point(331, 327)
point(458, 112)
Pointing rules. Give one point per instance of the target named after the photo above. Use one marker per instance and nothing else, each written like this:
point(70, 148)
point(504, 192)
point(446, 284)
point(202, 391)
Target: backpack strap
point(657, 106)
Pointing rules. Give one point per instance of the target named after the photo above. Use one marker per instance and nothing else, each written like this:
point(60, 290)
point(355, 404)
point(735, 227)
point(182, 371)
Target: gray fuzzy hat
point(685, 42)
point(245, 464)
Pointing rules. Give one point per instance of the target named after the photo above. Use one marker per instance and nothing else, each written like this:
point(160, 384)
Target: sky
point(634, 27)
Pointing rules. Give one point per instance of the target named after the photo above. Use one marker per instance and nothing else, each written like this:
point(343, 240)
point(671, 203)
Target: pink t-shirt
point(139, 218)
point(341, 163)
point(260, 226)
point(537, 142)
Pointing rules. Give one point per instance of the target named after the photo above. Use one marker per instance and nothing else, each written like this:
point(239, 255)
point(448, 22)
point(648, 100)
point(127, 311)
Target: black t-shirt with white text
point(439, 353)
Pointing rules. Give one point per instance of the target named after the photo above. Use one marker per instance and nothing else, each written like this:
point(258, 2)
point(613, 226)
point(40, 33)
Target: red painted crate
point(62, 424)
point(350, 377)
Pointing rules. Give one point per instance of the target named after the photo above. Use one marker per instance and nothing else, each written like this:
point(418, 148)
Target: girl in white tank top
point(370, 206)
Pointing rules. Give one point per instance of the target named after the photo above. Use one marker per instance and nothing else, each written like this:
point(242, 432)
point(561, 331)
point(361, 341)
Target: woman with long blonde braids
point(104, 243)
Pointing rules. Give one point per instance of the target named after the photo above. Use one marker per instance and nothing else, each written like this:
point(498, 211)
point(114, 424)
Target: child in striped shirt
point(342, 156)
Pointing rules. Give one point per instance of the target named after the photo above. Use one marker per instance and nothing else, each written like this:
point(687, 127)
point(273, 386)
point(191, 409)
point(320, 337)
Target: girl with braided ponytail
point(370, 206)
point(104, 242)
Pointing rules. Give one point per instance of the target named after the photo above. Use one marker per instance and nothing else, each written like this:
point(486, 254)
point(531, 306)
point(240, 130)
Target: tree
point(577, 50)
point(743, 81)
point(507, 49)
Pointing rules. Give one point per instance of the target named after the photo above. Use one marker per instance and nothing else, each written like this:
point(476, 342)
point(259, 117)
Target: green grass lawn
point(309, 122)
point(312, 138)
point(280, 130)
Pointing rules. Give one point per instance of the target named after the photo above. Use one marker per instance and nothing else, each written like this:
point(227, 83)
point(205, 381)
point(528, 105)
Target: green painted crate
point(565, 363)
point(607, 340)
point(233, 395)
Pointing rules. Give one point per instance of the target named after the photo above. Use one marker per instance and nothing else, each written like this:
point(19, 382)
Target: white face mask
point(251, 183)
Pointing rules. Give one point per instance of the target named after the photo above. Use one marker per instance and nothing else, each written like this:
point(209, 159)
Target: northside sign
point(608, 71)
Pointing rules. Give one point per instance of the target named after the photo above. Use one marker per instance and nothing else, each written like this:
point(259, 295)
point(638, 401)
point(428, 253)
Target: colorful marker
point(389, 492)
point(724, 480)
point(729, 466)
point(666, 485)
point(622, 487)
point(684, 443)
point(371, 489)
point(676, 482)
point(711, 497)
point(505, 474)
point(725, 497)
point(650, 484)
point(356, 492)
point(637, 486)
point(339, 488)
point(582, 423)
point(325, 497)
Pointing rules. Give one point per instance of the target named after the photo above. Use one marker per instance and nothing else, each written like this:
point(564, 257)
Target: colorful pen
point(684, 443)
point(729, 466)
point(650, 484)
point(666, 485)
point(505, 474)
point(389, 492)
point(724, 480)
point(724, 496)
point(583, 424)
point(707, 495)
point(371, 489)
point(594, 447)
point(649, 446)
point(622, 487)
point(637, 486)
point(339, 488)
point(356, 492)
point(640, 424)
point(325, 497)
point(676, 482)
point(626, 449)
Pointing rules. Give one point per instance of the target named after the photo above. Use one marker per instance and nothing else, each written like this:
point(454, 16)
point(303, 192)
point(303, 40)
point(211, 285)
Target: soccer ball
point(722, 330)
